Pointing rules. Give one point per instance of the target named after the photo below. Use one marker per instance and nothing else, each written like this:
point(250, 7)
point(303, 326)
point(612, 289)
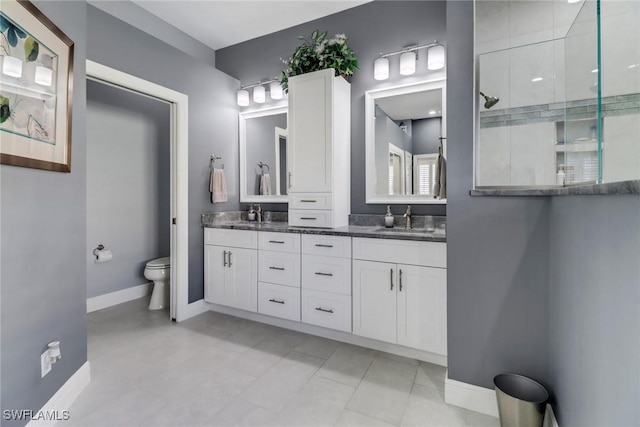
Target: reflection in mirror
point(263, 153)
point(406, 144)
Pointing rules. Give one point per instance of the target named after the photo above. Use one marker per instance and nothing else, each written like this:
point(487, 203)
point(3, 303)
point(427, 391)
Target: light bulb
point(407, 63)
point(243, 97)
point(12, 67)
point(275, 90)
point(381, 69)
point(435, 59)
point(259, 94)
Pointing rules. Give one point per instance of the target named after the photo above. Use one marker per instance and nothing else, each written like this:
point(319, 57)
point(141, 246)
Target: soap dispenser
point(388, 218)
point(251, 215)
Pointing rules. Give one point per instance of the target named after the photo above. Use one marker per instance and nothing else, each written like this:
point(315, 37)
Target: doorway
point(178, 165)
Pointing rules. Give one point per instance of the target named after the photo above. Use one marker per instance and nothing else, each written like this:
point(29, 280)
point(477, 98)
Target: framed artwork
point(36, 82)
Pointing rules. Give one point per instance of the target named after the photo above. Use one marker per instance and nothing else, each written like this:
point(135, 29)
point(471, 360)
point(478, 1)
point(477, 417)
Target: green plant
point(320, 53)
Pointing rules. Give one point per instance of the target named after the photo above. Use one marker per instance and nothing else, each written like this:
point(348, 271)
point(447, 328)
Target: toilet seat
point(159, 263)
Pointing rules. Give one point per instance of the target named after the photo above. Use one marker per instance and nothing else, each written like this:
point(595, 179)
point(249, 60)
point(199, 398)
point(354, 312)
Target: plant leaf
point(4, 24)
point(5, 111)
point(19, 32)
point(11, 37)
point(31, 49)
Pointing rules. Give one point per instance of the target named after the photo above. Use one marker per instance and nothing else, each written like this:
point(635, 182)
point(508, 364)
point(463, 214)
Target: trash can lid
point(521, 387)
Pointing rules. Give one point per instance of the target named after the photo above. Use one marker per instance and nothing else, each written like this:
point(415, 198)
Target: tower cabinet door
point(215, 269)
point(374, 300)
point(242, 279)
point(310, 124)
point(422, 308)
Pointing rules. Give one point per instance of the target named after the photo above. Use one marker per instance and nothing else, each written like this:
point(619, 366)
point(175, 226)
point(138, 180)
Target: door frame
point(179, 172)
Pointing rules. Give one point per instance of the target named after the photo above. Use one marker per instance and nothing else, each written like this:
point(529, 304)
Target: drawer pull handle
point(391, 277)
point(224, 259)
point(323, 246)
point(276, 241)
point(308, 201)
point(229, 258)
point(308, 218)
point(324, 310)
point(324, 274)
point(290, 179)
point(400, 284)
point(276, 301)
point(276, 268)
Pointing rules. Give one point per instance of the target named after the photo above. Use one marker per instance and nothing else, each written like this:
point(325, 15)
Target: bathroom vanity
point(384, 289)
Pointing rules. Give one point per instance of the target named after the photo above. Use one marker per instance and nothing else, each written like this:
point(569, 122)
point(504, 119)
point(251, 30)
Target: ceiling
point(219, 24)
point(412, 106)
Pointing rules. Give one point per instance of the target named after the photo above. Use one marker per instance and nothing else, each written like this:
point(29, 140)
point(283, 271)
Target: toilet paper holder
point(96, 250)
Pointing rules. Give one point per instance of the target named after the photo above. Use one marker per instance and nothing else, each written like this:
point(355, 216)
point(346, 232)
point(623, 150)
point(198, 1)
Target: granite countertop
point(398, 233)
point(613, 188)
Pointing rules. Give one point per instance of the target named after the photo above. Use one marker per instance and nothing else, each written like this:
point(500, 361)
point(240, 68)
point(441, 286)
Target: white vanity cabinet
point(319, 150)
point(326, 281)
point(279, 275)
point(230, 268)
point(399, 293)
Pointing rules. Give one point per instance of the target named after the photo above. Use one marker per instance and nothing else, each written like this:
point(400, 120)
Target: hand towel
point(218, 186)
point(265, 184)
point(440, 187)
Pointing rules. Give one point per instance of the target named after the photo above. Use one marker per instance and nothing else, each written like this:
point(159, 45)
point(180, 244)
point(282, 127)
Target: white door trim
point(179, 174)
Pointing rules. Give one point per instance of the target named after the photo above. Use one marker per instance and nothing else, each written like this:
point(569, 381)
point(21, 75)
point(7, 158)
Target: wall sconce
point(259, 92)
point(44, 76)
point(408, 58)
point(12, 67)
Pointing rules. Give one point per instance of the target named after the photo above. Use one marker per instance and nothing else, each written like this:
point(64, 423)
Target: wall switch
point(45, 363)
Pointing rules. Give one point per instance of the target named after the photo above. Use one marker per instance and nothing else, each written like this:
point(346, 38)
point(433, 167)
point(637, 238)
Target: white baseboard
point(411, 353)
point(469, 396)
point(118, 297)
point(64, 397)
point(483, 400)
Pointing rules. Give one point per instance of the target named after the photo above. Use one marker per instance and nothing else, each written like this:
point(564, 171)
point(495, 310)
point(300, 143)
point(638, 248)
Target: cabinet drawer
point(310, 200)
point(431, 254)
point(279, 267)
point(234, 238)
point(326, 310)
point(326, 274)
point(310, 218)
point(279, 242)
point(336, 246)
point(279, 301)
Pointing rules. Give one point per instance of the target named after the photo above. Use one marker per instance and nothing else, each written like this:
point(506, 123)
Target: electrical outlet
point(45, 363)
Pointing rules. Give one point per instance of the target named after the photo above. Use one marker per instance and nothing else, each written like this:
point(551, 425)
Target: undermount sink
point(405, 230)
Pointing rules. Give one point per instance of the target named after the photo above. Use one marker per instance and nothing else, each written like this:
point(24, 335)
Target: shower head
point(489, 101)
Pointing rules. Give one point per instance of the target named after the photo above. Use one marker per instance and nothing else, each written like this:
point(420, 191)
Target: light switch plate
point(45, 363)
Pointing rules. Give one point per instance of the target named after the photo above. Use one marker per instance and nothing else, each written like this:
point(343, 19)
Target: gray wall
point(213, 114)
point(128, 185)
point(261, 147)
point(380, 26)
point(595, 321)
point(497, 248)
point(43, 241)
point(425, 135)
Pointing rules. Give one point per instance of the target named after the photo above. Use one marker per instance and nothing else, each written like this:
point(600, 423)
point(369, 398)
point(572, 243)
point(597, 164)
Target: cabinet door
point(422, 308)
point(215, 259)
point(374, 300)
point(242, 279)
point(310, 123)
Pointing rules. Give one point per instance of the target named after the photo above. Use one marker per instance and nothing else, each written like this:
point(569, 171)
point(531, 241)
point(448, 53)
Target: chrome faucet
point(259, 214)
point(407, 215)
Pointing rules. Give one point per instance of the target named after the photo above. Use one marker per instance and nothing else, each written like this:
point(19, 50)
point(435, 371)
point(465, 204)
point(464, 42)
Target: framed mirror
point(263, 156)
point(405, 139)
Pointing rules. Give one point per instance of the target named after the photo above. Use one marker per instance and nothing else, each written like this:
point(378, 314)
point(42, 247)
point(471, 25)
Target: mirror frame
point(242, 140)
point(370, 97)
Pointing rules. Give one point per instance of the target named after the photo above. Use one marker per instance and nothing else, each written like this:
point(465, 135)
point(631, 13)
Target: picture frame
point(36, 88)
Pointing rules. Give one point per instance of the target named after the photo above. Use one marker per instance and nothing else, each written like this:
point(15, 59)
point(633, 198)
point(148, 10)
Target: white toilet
point(159, 270)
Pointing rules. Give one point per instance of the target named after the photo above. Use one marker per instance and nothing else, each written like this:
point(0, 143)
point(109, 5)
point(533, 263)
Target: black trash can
point(521, 401)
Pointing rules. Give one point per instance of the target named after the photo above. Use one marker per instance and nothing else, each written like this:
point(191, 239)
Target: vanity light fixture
point(12, 67)
point(408, 58)
point(259, 92)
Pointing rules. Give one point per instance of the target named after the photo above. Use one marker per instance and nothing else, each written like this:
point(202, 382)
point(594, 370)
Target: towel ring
point(213, 160)
point(262, 166)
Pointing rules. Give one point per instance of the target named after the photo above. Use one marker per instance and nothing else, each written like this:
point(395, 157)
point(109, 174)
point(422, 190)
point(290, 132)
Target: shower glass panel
point(567, 76)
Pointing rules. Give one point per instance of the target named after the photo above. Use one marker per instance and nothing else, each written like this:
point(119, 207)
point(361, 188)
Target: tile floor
point(218, 370)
